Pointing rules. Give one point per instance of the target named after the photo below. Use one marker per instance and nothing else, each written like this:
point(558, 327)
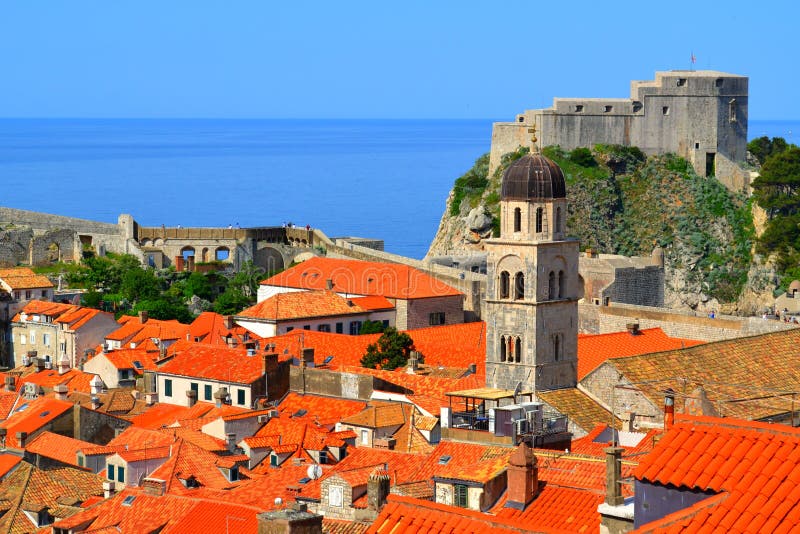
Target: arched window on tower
point(502, 348)
point(518, 350)
point(519, 286)
point(517, 220)
point(558, 219)
point(539, 219)
point(561, 284)
point(551, 286)
point(504, 283)
point(557, 348)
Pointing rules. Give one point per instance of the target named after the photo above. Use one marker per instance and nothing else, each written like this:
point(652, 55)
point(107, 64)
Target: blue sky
point(376, 59)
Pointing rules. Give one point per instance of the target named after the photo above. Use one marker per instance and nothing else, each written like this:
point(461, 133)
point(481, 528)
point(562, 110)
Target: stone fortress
point(699, 115)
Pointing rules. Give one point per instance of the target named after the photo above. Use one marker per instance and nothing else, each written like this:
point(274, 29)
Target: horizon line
point(312, 118)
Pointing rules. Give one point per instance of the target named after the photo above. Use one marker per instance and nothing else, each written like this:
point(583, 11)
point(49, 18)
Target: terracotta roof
point(189, 460)
point(24, 278)
point(80, 316)
point(594, 349)
point(215, 363)
point(134, 438)
point(579, 407)
point(147, 453)
point(362, 278)
point(125, 358)
point(601, 436)
point(43, 307)
point(756, 467)
point(325, 410)
point(373, 303)
point(338, 526)
point(209, 327)
point(467, 461)
point(457, 345)
point(556, 509)
point(8, 462)
point(160, 415)
point(381, 415)
point(300, 305)
point(31, 416)
point(134, 331)
point(58, 447)
point(747, 371)
point(74, 379)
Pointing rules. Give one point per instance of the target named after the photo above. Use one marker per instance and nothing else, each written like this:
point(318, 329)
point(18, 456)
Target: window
point(355, 327)
point(324, 328)
point(289, 328)
point(33, 337)
point(504, 283)
point(579, 108)
point(335, 494)
point(339, 328)
point(637, 106)
point(23, 339)
point(307, 327)
point(697, 145)
point(520, 119)
point(608, 109)
point(718, 82)
point(273, 460)
point(80, 461)
point(519, 286)
point(539, 219)
point(551, 286)
point(28, 294)
point(681, 82)
point(196, 388)
point(234, 476)
point(558, 219)
point(46, 340)
point(62, 346)
point(561, 284)
point(518, 350)
point(460, 495)
point(120, 474)
point(557, 348)
point(732, 110)
point(385, 323)
point(665, 110)
point(44, 293)
point(110, 472)
point(323, 457)
point(436, 318)
point(364, 437)
point(168, 387)
point(517, 220)
point(240, 397)
point(502, 348)
point(207, 392)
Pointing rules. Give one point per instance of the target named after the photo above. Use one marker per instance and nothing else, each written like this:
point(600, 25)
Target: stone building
point(611, 278)
point(699, 115)
point(533, 287)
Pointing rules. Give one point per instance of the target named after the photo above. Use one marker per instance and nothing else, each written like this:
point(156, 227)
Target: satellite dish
point(314, 471)
point(278, 501)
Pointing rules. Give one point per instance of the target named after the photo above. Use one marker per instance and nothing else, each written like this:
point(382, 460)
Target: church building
point(531, 307)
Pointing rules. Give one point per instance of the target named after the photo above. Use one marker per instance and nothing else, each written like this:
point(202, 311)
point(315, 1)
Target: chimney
point(523, 477)
point(143, 316)
point(108, 489)
point(669, 408)
point(63, 364)
point(88, 354)
point(10, 383)
point(377, 489)
point(21, 437)
point(230, 441)
point(329, 284)
point(413, 362)
point(150, 399)
point(95, 385)
point(60, 391)
point(630, 422)
point(308, 357)
point(633, 328)
point(179, 264)
point(219, 396)
point(228, 321)
point(154, 486)
point(191, 397)
point(290, 521)
point(95, 402)
point(39, 362)
point(614, 476)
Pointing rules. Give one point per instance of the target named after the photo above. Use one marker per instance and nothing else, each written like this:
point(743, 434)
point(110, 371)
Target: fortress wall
point(46, 221)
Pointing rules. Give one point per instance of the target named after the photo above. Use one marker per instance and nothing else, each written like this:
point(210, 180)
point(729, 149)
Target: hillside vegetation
point(621, 202)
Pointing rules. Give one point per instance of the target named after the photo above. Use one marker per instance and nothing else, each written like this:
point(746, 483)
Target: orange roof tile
point(214, 363)
point(463, 458)
point(581, 409)
point(61, 448)
point(557, 509)
point(8, 462)
point(756, 466)
point(362, 278)
point(134, 331)
point(373, 303)
point(24, 278)
point(300, 305)
point(125, 358)
point(381, 415)
point(594, 349)
point(43, 307)
point(31, 416)
point(209, 327)
point(325, 410)
point(74, 379)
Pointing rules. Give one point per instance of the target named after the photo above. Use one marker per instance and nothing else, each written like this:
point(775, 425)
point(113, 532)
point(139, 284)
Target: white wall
point(101, 366)
point(181, 384)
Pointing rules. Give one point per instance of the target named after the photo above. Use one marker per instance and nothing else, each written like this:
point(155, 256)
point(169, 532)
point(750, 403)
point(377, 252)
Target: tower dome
point(533, 177)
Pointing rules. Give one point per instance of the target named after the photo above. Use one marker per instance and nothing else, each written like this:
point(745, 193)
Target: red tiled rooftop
point(325, 410)
point(125, 358)
point(373, 303)
point(61, 448)
point(214, 363)
point(24, 278)
point(556, 509)
point(31, 416)
point(594, 349)
point(362, 278)
point(42, 307)
point(8, 462)
point(301, 305)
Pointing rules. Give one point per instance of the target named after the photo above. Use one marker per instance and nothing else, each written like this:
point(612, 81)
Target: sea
point(382, 179)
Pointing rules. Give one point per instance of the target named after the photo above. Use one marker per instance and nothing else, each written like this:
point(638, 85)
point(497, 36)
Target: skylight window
point(129, 500)
point(44, 413)
point(444, 459)
point(299, 413)
point(137, 364)
point(305, 480)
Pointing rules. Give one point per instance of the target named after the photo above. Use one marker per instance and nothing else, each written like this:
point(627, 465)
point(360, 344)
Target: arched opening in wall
point(502, 348)
point(187, 252)
point(582, 287)
point(147, 243)
point(517, 220)
point(519, 286)
point(504, 284)
point(204, 255)
point(53, 253)
point(561, 283)
point(539, 220)
point(551, 286)
point(222, 254)
point(518, 350)
point(558, 219)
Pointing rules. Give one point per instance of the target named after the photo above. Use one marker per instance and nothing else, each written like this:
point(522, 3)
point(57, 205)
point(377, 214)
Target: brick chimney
point(633, 328)
point(614, 476)
point(669, 408)
point(377, 489)
point(523, 477)
point(143, 316)
point(154, 486)
point(60, 391)
point(290, 521)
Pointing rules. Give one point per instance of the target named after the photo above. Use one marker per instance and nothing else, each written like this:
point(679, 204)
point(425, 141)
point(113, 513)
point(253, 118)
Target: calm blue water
point(382, 179)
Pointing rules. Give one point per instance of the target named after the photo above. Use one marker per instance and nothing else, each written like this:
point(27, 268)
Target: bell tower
point(532, 292)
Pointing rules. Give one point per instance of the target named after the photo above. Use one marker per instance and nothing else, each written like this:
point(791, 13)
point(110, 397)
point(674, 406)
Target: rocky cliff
point(621, 202)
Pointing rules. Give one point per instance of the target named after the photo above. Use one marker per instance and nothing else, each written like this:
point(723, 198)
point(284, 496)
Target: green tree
point(371, 327)
point(198, 284)
point(390, 352)
point(763, 147)
point(583, 156)
point(164, 309)
point(231, 302)
point(247, 279)
point(139, 284)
